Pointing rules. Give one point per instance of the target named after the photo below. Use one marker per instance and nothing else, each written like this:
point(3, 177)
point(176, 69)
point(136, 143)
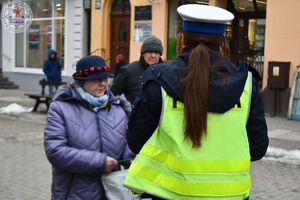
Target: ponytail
point(196, 95)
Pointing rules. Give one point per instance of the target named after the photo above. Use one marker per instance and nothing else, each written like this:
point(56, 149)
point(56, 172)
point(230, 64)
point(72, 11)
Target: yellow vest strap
point(144, 173)
point(194, 165)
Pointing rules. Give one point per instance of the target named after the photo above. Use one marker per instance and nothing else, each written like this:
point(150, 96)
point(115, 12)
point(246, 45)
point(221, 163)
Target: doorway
point(120, 30)
point(248, 31)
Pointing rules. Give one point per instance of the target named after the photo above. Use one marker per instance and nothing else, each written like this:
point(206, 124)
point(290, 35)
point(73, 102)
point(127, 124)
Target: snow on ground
point(14, 108)
point(283, 156)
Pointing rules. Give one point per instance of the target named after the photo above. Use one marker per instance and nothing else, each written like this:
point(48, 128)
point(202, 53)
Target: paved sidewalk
point(26, 174)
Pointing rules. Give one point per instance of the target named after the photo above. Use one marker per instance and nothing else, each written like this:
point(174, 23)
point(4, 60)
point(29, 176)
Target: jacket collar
point(146, 65)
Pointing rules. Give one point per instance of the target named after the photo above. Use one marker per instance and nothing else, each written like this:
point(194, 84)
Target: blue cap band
point(203, 27)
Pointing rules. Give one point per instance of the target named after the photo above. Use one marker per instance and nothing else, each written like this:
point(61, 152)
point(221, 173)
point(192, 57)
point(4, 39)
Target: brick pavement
point(26, 174)
point(275, 181)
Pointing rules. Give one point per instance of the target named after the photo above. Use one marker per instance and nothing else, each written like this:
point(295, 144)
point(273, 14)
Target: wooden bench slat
point(43, 98)
point(38, 96)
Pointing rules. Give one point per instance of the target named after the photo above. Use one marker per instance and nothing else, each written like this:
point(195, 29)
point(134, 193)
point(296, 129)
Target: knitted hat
point(204, 19)
point(91, 68)
point(153, 44)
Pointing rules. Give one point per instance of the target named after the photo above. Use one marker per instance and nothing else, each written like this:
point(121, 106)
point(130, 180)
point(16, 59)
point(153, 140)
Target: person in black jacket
point(208, 84)
point(128, 79)
point(147, 110)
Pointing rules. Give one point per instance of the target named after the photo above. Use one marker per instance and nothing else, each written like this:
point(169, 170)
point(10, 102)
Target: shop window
point(173, 30)
point(249, 5)
point(46, 32)
point(42, 8)
point(174, 26)
point(37, 43)
point(259, 42)
point(59, 8)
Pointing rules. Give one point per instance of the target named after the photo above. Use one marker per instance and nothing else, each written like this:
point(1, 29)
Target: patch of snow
point(283, 156)
point(14, 108)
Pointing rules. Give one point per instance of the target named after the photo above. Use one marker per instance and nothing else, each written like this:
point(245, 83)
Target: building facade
point(262, 33)
point(56, 24)
point(120, 26)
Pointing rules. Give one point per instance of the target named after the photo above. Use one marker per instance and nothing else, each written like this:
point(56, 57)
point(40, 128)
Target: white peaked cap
point(204, 13)
point(205, 19)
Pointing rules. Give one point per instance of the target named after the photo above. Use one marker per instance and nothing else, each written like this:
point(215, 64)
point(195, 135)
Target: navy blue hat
point(91, 68)
point(204, 19)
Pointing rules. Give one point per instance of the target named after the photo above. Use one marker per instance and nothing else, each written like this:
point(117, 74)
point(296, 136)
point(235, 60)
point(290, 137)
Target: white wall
point(74, 26)
point(7, 48)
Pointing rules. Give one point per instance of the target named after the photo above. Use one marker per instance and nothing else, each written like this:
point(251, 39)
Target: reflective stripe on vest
point(168, 166)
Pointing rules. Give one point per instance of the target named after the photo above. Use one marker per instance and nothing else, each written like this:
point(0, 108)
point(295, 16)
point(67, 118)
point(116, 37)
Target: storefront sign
point(142, 13)
point(142, 23)
point(142, 30)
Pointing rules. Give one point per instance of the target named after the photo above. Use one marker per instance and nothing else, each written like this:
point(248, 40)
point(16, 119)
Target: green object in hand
point(124, 161)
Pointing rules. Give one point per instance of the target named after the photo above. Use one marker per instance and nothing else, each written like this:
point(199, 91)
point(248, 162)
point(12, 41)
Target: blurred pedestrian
point(84, 135)
point(200, 119)
point(52, 69)
point(128, 80)
point(120, 62)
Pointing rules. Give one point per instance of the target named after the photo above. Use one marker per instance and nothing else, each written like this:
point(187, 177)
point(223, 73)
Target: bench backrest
point(45, 83)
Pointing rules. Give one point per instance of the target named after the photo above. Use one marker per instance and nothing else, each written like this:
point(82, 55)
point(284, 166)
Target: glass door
point(246, 34)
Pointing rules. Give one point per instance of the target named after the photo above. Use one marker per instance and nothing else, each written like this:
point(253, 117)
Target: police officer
point(200, 120)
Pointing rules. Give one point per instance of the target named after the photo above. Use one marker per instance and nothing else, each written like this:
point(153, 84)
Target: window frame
point(53, 18)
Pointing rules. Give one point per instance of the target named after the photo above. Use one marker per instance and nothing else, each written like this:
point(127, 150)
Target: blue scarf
point(96, 102)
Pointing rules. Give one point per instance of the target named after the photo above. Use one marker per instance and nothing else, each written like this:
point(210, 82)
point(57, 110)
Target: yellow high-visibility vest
point(168, 167)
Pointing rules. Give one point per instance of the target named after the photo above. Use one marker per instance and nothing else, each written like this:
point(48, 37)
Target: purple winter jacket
point(77, 141)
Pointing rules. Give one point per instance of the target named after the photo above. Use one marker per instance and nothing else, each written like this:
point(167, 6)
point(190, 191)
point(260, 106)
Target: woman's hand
point(110, 163)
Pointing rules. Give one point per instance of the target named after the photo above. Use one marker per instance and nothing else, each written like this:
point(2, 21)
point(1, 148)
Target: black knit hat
point(153, 44)
point(91, 68)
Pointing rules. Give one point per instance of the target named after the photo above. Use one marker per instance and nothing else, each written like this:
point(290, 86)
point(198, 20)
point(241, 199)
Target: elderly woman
point(84, 135)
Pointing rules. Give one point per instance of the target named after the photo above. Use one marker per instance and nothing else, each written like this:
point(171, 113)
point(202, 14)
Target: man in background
point(128, 79)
